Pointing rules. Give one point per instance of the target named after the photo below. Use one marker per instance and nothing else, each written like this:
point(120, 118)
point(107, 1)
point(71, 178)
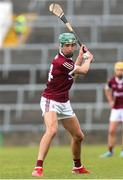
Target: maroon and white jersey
point(60, 79)
point(117, 89)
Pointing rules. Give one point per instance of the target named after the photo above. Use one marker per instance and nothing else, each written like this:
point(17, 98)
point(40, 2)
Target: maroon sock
point(39, 163)
point(110, 149)
point(77, 162)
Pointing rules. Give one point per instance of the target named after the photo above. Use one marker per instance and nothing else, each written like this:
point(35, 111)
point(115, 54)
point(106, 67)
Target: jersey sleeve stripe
point(71, 72)
point(68, 66)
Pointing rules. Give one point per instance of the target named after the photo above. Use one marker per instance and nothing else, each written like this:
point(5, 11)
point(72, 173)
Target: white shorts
point(116, 115)
point(64, 110)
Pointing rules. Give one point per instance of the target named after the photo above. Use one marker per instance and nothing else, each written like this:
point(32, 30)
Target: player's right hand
point(111, 104)
point(88, 56)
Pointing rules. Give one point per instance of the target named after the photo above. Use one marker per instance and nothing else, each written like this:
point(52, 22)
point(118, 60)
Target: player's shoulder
point(58, 59)
point(111, 79)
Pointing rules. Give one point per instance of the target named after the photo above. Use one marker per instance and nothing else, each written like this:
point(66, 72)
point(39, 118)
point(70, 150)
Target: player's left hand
point(84, 48)
point(81, 52)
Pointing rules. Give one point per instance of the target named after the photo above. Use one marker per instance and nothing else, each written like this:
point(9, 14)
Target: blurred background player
point(55, 103)
point(114, 94)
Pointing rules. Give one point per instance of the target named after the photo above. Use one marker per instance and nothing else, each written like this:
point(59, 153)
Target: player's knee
point(112, 131)
point(52, 131)
point(82, 137)
point(79, 137)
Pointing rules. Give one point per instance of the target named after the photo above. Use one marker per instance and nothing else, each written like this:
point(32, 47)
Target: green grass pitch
point(18, 162)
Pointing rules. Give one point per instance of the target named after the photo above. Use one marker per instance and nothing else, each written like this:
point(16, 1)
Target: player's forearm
point(86, 66)
point(79, 60)
point(109, 97)
point(83, 69)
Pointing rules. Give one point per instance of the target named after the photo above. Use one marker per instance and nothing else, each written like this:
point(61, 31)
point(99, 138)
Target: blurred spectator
point(20, 26)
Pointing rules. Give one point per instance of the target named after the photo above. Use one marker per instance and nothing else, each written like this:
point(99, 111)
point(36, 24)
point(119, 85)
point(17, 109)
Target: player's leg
point(121, 153)
point(113, 123)
point(50, 119)
point(112, 135)
point(73, 127)
point(111, 138)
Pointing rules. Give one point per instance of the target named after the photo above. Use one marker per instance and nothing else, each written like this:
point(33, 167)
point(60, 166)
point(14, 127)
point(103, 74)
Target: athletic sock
point(77, 162)
point(39, 163)
point(110, 149)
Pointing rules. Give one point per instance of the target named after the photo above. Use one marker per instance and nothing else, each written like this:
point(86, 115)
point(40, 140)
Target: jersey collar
point(63, 54)
point(120, 81)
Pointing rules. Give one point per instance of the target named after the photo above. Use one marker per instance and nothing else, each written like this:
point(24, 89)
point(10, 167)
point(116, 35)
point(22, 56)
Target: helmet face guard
point(67, 38)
